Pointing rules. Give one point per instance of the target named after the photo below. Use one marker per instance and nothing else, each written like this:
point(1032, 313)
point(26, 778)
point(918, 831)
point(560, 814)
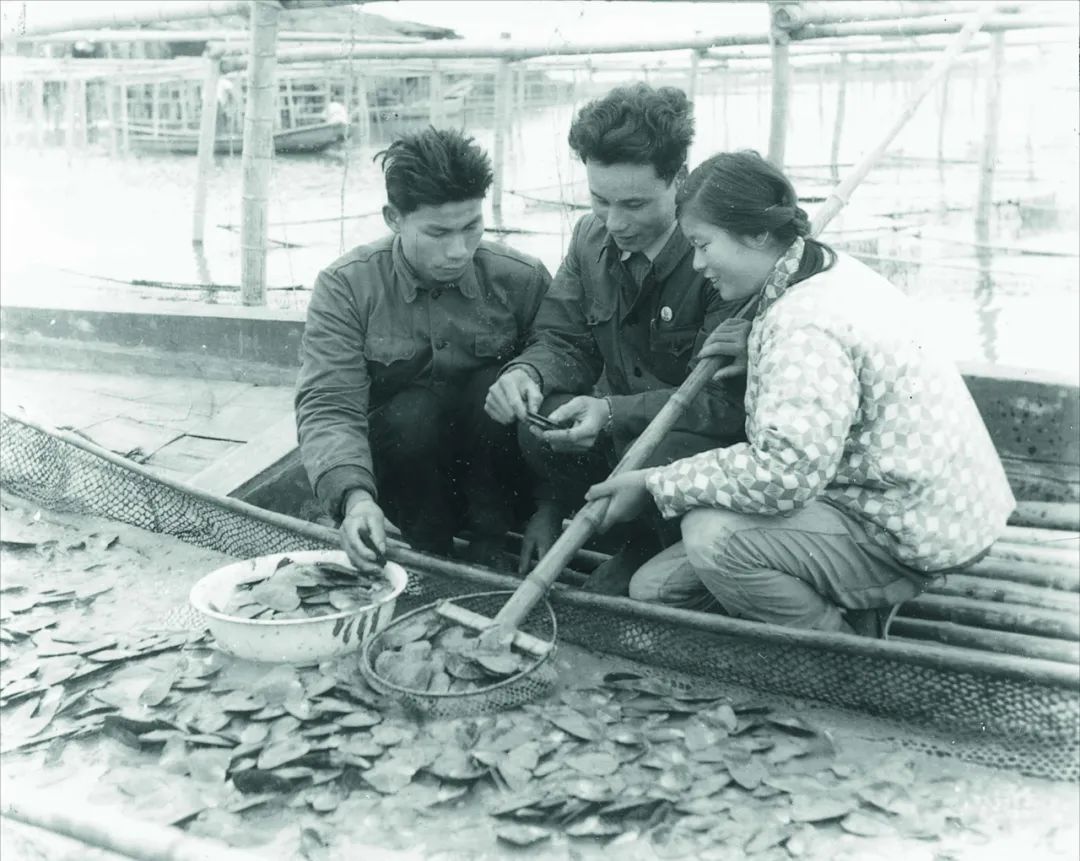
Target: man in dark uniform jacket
point(403, 339)
point(616, 333)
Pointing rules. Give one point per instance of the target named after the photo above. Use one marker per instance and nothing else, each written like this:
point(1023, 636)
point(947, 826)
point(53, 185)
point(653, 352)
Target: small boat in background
point(302, 139)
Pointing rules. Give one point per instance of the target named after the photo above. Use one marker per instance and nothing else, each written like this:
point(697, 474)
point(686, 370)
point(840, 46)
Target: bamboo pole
point(103, 828)
point(842, 193)
point(1059, 624)
point(207, 133)
point(258, 156)
point(1006, 592)
point(155, 107)
point(38, 110)
point(692, 76)
point(435, 97)
point(943, 118)
point(928, 655)
point(838, 120)
point(109, 93)
point(125, 121)
point(122, 16)
point(69, 104)
point(908, 29)
point(502, 121)
point(907, 630)
point(781, 92)
point(792, 16)
point(991, 130)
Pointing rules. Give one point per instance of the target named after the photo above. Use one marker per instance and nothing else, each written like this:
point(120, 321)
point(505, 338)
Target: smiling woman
point(867, 470)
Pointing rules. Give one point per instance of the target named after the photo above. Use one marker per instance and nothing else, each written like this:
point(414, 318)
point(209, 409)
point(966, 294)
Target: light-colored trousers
point(798, 570)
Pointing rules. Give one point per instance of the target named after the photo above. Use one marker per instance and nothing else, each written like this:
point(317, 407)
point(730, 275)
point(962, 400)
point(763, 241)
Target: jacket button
point(637, 371)
point(441, 345)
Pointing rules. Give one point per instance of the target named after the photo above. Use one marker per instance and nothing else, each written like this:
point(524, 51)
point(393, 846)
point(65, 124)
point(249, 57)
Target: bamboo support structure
point(838, 120)
point(842, 193)
point(69, 110)
point(929, 655)
point(1058, 624)
point(37, 96)
point(435, 97)
point(792, 16)
point(109, 95)
point(1006, 592)
point(125, 116)
point(103, 828)
point(943, 119)
point(207, 135)
point(909, 630)
point(991, 130)
point(907, 28)
point(692, 76)
point(502, 122)
point(258, 155)
point(780, 46)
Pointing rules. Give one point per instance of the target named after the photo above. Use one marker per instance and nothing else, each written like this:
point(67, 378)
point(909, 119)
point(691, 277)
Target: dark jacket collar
point(669, 257)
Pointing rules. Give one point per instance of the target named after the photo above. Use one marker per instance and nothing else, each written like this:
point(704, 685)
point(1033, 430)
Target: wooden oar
point(591, 515)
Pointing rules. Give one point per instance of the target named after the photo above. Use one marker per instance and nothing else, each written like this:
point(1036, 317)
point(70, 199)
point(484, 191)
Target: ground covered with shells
point(101, 699)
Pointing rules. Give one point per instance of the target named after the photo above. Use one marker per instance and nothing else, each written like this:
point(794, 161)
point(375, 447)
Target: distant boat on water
point(303, 139)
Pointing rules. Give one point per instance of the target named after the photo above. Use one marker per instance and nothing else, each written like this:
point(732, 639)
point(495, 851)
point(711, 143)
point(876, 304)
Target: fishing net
point(1021, 714)
point(530, 684)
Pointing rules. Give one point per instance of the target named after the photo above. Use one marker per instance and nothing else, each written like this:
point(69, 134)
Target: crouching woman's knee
point(705, 533)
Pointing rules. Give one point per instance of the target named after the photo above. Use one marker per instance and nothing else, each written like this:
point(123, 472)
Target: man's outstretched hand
point(363, 520)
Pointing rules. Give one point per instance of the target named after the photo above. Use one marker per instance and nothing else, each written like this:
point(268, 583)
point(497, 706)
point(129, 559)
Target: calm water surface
point(70, 221)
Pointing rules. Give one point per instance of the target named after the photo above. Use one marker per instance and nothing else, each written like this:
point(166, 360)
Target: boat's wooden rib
point(1006, 592)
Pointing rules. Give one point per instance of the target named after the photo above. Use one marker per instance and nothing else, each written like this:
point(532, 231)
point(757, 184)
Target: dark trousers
point(562, 478)
point(441, 464)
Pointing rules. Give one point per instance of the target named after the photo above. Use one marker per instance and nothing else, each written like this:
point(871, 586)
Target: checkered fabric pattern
point(847, 401)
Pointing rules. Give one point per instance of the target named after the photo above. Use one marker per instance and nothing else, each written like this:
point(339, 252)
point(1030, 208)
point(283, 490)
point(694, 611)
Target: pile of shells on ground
point(99, 698)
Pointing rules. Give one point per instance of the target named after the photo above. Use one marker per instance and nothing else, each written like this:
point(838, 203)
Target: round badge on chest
point(666, 314)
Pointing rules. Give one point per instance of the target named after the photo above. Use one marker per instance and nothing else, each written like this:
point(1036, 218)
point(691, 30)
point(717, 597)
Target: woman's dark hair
point(747, 196)
point(636, 125)
point(434, 167)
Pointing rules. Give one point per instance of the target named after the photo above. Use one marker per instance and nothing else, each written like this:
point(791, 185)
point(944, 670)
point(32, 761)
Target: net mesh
point(992, 713)
point(531, 684)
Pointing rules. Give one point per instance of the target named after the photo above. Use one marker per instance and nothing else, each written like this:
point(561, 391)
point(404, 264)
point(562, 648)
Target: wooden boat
point(305, 139)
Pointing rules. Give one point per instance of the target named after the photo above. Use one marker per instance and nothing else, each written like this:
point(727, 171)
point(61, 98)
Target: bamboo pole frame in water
point(207, 134)
point(435, 96)
point(842, 193)
point(988, 157)
point(781, 93)
point(258, 155)
point(838, 120)
point(502, 121)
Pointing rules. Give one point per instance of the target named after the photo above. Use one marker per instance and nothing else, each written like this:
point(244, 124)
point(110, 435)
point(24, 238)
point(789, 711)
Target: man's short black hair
point(434, 167)
point(636, 124)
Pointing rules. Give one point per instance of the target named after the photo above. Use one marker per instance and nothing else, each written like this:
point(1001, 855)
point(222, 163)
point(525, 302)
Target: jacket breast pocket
point(385, 350)
point(599, 312)
point(673, 342)
point(496, 345)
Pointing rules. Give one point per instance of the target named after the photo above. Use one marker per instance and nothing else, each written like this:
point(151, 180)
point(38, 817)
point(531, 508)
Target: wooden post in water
point(258, 156)
point(780, 49)
point(838, 121)
point(69, 110)
point(692, 82)
point(942, 119)
point(37, 109)
point(435, 96)
point(109, 94)
point(125, 131)
point(207, 133)
point(988, 158)
point(502, 121)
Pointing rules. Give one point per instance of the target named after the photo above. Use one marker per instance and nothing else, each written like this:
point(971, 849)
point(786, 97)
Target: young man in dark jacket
point(618, 329)
point(403, 339)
